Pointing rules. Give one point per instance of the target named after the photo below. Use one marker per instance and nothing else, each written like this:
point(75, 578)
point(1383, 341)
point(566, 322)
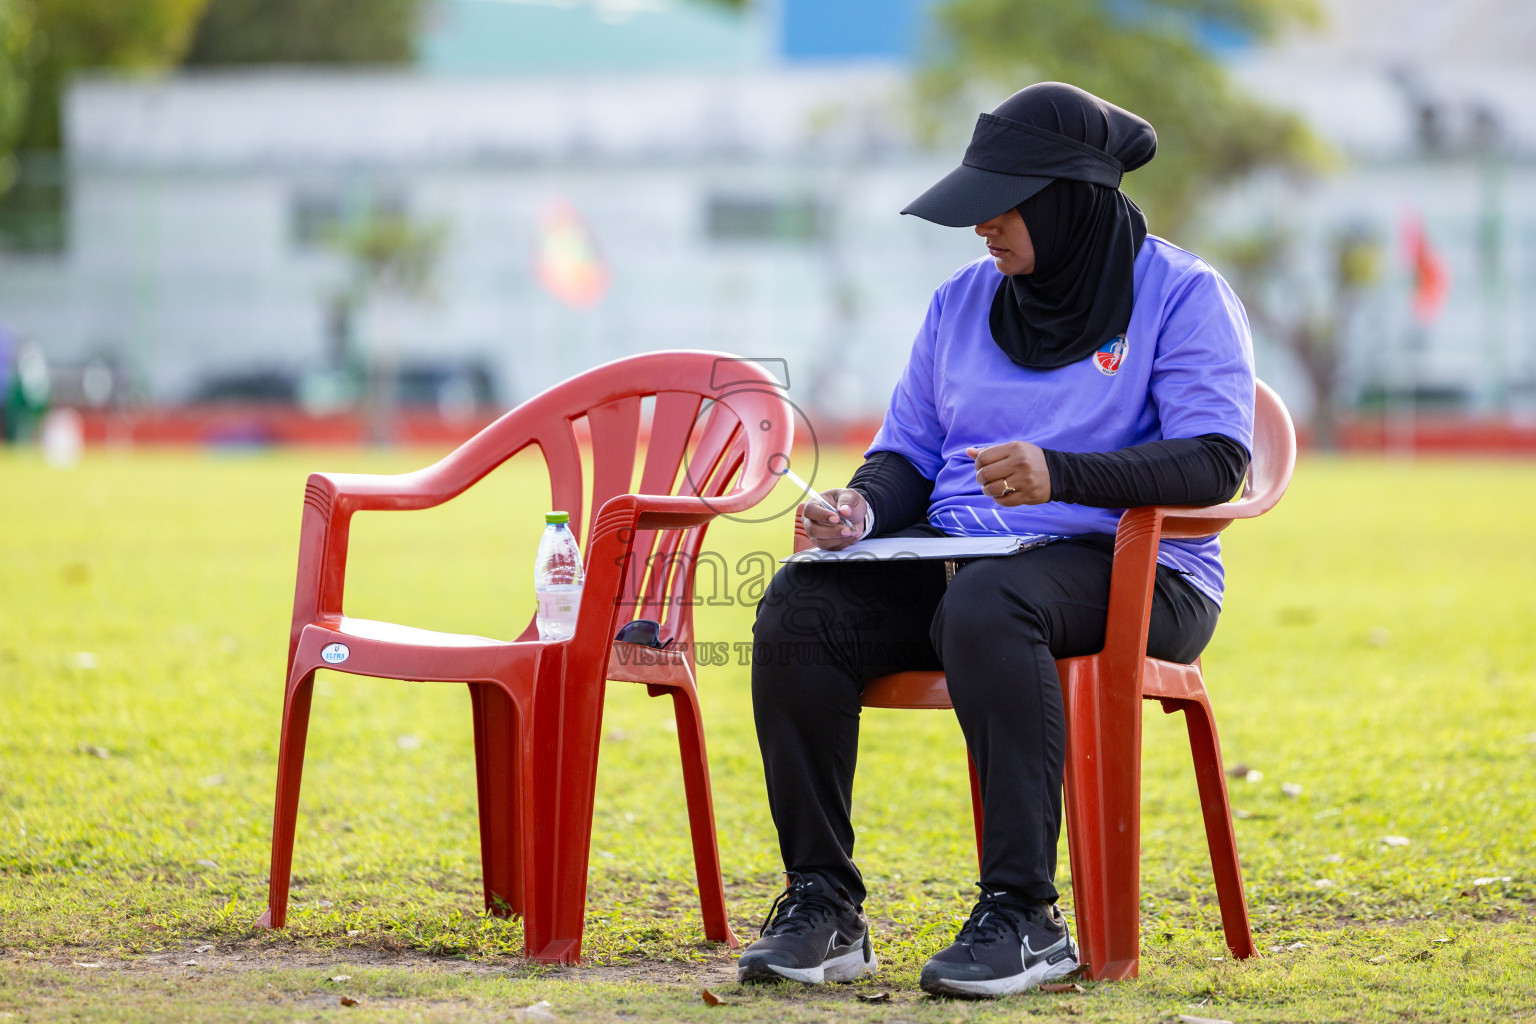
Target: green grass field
point(1376, 651)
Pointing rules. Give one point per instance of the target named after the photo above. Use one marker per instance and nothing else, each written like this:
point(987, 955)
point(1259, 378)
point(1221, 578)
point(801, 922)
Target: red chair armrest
point(1131, 578)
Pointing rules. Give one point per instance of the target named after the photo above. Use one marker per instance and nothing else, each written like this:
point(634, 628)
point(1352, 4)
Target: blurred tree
point(391, 256)
point(307, 32)
point(1307, 321)
point(15, 71)
point(390, 252)
point(70, 35)
point(1149, 56)
point(42, 43)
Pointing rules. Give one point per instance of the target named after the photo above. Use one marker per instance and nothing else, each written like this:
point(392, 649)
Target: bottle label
point(559, 602)
point(558, 606)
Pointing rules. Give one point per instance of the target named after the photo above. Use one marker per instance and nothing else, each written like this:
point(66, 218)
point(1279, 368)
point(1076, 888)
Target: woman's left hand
point(1013, 473)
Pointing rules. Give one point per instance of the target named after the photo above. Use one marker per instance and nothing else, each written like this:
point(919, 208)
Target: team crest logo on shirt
point(1110, 355)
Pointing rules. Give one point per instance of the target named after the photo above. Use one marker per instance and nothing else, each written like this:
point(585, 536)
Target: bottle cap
point(557, 517)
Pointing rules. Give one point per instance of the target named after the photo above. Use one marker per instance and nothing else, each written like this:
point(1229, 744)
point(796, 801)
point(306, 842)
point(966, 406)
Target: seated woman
point(1083, 367)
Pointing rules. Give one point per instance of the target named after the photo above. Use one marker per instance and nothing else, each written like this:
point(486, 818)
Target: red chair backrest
point(682, 422)
point(728, 449)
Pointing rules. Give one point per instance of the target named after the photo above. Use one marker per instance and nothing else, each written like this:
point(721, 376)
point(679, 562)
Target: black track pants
point(995, 630)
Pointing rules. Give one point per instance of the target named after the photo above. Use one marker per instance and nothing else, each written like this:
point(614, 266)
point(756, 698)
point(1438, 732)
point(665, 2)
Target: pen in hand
point(817, 498)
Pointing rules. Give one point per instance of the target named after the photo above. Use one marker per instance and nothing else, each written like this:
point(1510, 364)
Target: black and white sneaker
point(812, 934)
point(1008, 945)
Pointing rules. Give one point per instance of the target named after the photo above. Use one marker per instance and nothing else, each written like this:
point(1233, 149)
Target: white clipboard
point(880, 549)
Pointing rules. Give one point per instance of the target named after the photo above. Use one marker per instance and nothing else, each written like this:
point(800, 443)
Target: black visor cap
point(1005, 164)
point(969, 195)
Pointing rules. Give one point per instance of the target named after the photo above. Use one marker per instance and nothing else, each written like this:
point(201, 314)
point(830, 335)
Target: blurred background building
point(536, 186)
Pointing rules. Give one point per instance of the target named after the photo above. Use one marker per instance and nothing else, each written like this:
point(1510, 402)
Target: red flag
point(1431, 279)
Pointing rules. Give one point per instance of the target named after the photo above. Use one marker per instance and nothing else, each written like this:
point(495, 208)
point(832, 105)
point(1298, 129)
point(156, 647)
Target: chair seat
point(636, 663)
point(410, 636)
point(923, 690)
point(1161, 680)
point(1170, 680)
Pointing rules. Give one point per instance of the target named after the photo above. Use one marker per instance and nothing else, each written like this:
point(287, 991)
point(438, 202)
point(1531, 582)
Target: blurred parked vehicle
point(452, 388)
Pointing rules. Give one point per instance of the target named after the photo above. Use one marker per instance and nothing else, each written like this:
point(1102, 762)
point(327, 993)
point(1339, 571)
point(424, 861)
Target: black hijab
point(1080, 293)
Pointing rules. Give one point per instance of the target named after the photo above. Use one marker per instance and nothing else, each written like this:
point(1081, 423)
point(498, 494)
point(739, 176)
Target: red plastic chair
point(537, 705)
point(1103, 694)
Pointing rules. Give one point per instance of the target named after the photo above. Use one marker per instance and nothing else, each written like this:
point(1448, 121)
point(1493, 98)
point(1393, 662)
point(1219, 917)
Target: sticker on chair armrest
point(334, 654)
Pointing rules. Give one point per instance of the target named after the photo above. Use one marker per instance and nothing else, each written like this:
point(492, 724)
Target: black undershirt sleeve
point(895, 489)
point(1200, 470)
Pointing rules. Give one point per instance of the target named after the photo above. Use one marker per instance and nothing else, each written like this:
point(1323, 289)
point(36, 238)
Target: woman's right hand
point(825, 530)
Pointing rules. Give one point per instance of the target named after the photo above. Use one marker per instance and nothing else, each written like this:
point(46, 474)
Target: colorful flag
point(567, 263)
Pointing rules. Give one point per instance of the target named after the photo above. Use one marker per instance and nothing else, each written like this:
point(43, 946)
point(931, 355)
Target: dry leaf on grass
point(1060, 987)
point(1187, 1019)
point(1380, 959)
point(540, 1010)
point(874, 997)
point(87, 966)
point(340, 978)
point(710, 999)
point(348, 1001)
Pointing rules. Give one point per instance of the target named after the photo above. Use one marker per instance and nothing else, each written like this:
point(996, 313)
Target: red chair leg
point(497, 782)
point(701, 816)
point(563, 746)
point(976, 811)
point(1103, 808)
point(290, 770)
point(1216, 807)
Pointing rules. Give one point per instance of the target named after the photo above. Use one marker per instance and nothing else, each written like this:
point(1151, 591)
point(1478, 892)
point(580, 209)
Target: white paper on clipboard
point(879, 549)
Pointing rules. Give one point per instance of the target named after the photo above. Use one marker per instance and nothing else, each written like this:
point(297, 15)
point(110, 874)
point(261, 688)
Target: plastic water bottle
point(557, 578)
